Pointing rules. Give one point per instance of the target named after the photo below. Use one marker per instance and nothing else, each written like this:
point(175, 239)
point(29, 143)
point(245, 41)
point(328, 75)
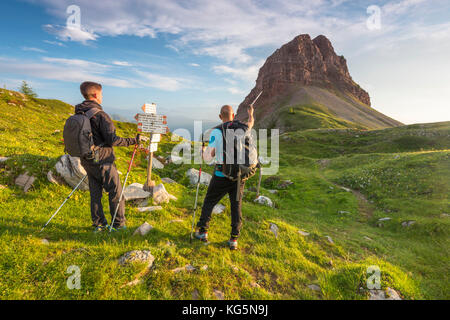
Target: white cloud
point(76, 70)
point(71, 33)
point(236, 91)
point(122, 63)
point(33, 49)
point(248, 73)
point(194, 64)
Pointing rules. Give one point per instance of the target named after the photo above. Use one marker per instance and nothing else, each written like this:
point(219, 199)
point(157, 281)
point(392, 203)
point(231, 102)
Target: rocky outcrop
point(306, 62)
point(71, 170)
point(303, 62)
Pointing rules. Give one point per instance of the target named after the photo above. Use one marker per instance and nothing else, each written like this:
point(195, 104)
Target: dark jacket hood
point(86, 105)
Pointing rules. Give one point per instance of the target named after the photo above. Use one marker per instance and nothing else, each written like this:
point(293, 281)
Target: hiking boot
point(233, 244)
point(119, 228)
point(201, 235)
point(98, 229)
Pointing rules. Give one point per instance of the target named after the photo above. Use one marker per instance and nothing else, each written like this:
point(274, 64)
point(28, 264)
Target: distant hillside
point(306, 85)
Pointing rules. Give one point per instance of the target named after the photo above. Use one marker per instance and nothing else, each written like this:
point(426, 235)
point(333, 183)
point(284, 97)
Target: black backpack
point(78, 139)
point(244, 147)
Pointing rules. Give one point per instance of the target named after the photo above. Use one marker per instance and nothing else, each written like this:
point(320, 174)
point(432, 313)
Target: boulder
point(168, 180)
point(174, 159)
point(143, 229)
point(314, 287)
point(139, 256)
point(192, 174)
point(408, 223)
point(51, 178)
point(135, 191)
point(156, 164)
point(153, 208)
point(219, 294)
point(264, 201)
point(274, 228)
point(381, 294)
point(25, 181)
point(187, 267)
point(160, 195)
point(218, 208)
point(71, 170)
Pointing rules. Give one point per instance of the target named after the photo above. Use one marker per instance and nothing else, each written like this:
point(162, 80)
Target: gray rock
point(314, 287)
point(160, 195)
point(139, 256)
point(50, 178)
point(174, 159)
point(381, 294)
point(367, 238)
point(195, 294)
point(273, 191)
point(156, 164)
point(264, 160)
point(445, 215)
point(45, 241)
point(192, 174)
point(135, 191)
point(25, 181)
point(71, 170)
point(343, 212)
point(143, 229)
point(264, 201)
point(218, 294)
point(152, 208)
point(187, 268)
point(384, 219)
point(408, 223)
point(218, 208)
point(303, 233)
point(329, 239)
point(168, 180)
point(274, 228)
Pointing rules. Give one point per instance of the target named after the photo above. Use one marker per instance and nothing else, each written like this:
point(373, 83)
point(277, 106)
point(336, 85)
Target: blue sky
point(191, 57)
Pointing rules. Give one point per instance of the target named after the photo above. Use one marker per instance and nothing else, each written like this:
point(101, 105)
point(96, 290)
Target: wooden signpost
point(155, 124)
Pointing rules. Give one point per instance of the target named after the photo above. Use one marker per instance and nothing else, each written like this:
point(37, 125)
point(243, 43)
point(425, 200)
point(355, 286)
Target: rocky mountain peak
point(303, 62)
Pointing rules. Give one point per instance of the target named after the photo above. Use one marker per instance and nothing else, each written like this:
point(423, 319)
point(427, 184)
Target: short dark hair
point(87, 86)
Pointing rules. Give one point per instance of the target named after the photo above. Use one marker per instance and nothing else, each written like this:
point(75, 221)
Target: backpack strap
point(92, 112)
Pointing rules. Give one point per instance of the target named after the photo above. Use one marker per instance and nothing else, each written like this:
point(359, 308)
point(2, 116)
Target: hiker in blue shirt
point(221, 185)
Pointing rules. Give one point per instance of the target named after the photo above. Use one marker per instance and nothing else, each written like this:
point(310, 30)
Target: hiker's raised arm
point(251, 119)
point(108, 132)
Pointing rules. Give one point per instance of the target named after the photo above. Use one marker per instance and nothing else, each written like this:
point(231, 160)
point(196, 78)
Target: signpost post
point(155, 124)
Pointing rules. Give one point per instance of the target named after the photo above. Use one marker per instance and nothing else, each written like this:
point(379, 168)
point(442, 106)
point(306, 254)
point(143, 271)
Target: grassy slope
point(265, 267)
point(307, 107)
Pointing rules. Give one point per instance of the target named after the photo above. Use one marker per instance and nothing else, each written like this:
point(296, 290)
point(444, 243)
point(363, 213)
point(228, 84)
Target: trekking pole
point(68, 197)
point(198, 185)
point(123, 188)
point(259, 180)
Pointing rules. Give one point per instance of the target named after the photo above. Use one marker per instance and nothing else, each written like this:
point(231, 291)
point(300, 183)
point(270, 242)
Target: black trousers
point(105, 176)
point(218, 188)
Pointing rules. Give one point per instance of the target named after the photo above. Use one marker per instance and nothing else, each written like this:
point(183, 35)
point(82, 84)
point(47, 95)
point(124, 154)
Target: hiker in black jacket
point(102, 172)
